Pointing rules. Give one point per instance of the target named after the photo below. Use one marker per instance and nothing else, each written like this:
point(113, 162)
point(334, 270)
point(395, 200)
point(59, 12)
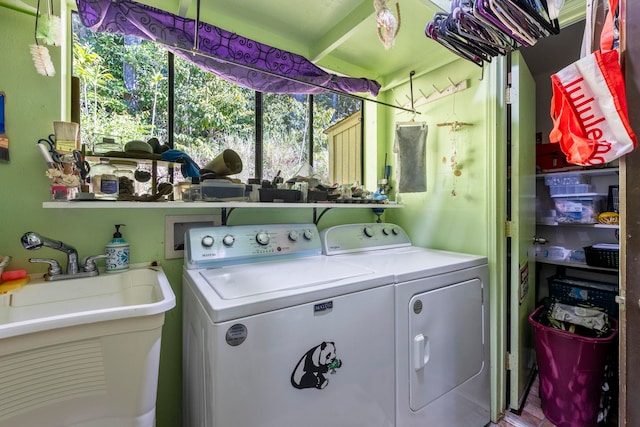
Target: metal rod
point(196, 34)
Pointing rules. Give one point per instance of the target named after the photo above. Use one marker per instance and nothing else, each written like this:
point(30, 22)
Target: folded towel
point(189, 168)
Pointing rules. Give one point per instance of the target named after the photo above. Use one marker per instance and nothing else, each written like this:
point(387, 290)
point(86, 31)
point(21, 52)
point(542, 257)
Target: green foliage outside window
point(124, 94)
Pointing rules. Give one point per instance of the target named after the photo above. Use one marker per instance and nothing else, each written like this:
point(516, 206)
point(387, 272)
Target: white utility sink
point(42, 305)
point(83, 352)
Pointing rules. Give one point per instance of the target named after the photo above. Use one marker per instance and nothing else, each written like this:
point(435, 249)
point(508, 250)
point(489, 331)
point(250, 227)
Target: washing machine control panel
point(362, 237)
point(233, 244)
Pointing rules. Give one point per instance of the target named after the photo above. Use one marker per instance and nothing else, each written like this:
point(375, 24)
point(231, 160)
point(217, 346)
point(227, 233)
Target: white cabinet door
point(522, 230)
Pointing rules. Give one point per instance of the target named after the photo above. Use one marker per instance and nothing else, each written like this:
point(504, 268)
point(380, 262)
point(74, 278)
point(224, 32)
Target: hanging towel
point(410, 147)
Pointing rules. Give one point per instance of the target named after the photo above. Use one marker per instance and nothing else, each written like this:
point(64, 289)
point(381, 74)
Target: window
point(211, 115)
point(125, 94)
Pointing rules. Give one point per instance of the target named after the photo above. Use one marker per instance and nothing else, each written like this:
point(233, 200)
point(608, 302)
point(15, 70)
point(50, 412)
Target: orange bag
point(589, 110)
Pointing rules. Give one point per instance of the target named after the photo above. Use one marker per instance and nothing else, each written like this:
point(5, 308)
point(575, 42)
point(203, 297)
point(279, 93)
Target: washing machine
point(276, 334)
point(441, 323)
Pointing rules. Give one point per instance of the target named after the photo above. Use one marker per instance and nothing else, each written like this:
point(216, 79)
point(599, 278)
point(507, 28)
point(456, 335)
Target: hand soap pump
point(117, 251)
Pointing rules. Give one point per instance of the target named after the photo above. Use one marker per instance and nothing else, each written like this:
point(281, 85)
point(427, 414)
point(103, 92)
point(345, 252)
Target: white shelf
point(570, 264)
point(594, 171)
point(611, 226)
point(577, 195)
point(211, 205)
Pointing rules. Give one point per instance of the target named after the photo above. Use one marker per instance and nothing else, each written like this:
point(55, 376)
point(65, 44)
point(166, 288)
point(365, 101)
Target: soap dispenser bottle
point(117, 251)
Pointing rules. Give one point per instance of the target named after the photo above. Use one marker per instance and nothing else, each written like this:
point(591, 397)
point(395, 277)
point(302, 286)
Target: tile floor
point(531, 415)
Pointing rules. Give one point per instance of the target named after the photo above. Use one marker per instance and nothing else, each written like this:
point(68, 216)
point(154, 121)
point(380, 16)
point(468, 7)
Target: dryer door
point(446, 334)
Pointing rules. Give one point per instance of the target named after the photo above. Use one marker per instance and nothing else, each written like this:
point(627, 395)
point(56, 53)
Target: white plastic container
point(221, 189)
point(566, 179)
point(557, 253)
point(570, 189)
point(578, 209)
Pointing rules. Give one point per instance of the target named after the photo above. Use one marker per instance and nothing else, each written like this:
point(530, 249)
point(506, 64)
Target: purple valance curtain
point(235, 58)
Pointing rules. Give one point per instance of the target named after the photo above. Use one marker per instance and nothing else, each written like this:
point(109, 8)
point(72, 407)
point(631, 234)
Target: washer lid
point(414, 262)
point(240, 281)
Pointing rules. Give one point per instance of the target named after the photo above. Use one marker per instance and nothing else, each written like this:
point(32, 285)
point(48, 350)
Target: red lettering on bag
point(603, 147)
point(588, 120)
point(589, 110)
point(576, 81)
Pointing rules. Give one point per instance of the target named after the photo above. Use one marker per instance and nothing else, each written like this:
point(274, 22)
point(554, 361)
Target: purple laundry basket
point(571, 370)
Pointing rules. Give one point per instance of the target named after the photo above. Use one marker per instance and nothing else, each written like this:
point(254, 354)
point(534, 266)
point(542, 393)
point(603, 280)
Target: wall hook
point(411, 74)
point(425, 99)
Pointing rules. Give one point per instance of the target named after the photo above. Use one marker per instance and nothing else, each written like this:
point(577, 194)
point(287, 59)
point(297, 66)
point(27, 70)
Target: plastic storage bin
point(571, 370)
point(570, 189)
point(280, 195)
point(578, 209)
point(566, 179)
point(557, 253)
point(221, 189)
point(578, 291)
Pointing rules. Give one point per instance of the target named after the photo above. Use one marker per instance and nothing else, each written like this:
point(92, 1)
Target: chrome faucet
point(34, 241)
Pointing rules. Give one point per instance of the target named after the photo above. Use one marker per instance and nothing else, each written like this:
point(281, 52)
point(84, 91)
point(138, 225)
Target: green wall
point(436, 218)
point(33, 102)
point(467, 222)
point(473, 220)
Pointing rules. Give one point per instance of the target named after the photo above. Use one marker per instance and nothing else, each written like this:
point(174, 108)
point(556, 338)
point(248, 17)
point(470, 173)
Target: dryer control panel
point(207, 247)
point(347, 238)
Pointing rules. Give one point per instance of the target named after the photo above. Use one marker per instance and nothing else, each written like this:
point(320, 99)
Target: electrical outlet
point(176, 226)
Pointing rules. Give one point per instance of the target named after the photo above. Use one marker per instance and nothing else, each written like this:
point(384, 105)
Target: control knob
point(308, 234)
point(207, 241)
point(294, 235)
point(368, 231)
point(228, 240)
point(262, 238)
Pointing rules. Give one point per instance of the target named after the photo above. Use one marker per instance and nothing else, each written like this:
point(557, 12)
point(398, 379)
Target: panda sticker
point(310, 370)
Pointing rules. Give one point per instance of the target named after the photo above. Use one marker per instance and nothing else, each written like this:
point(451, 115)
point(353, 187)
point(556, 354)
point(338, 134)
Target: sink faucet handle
point(54, 267)
point(89, 263)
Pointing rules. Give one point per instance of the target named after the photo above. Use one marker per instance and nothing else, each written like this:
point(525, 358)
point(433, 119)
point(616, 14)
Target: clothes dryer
point(441, 323)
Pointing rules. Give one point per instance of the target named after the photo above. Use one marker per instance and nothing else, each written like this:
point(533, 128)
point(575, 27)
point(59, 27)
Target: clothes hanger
point(455, 46)
point(462, 22)
point(506, 19)
point(478, 30)
point(523, 19)
point(539, 11)
point(472, 28)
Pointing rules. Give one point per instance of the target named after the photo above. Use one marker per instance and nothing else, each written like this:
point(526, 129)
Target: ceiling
point(337, 35)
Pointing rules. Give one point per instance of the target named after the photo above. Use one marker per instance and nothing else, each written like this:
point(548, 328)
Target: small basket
point(579, 291)
point(606, 258)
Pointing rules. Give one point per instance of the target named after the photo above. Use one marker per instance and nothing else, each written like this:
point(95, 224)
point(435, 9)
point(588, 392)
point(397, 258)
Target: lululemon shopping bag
point(589, 110)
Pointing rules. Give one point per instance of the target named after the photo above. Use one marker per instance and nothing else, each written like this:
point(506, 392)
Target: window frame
point(259, 142)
